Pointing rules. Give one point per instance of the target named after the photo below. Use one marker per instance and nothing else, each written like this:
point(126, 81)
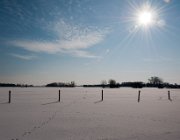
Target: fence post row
point(102, 96)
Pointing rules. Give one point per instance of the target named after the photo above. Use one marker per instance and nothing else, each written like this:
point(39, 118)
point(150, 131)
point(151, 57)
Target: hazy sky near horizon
point(87, 41)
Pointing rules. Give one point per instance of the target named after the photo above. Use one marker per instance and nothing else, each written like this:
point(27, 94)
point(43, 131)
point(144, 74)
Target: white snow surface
point(35, 114)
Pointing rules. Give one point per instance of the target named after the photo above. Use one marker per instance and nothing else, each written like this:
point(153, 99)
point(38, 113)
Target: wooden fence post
point(139, 96)
point(59, 95)
point(9, 97)
point(102, 96)
point(169, 96)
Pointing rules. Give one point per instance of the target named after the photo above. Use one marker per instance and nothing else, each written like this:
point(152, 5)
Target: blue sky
point(88, 41)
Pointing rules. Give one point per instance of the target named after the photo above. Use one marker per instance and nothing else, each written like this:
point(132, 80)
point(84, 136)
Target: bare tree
point(155, 80)
point(112, 83)
point(73, 84)
point(103, 83)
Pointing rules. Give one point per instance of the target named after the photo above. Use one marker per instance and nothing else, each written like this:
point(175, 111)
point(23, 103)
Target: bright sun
point(145, 18)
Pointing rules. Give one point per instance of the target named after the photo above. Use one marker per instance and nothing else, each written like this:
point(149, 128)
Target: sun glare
point(145, 18)
point(146, 15)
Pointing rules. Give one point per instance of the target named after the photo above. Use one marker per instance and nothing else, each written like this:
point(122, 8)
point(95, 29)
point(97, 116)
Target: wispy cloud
point(71, 39)
point(24, 57)
point(167, 1)
point(81, 53)
point(107, 51)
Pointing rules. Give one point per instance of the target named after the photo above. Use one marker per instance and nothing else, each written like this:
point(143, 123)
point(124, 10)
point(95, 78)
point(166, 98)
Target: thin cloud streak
point(85, 54)
point(23, 57)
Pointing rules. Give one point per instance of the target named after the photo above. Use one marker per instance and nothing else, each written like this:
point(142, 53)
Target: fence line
point(102, 96)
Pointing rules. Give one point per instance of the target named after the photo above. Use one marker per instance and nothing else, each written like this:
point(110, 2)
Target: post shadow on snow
point(59, 99)
point(4, 103)
point(50, 103)
point(102, 98)
point(98, 101)
point(9, 99)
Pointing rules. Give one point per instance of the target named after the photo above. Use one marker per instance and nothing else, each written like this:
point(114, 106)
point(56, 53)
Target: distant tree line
point(61, 84)
point(14, 85)
point(155, 82)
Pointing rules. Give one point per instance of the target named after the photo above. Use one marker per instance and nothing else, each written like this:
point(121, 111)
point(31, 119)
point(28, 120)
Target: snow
point(36, 114)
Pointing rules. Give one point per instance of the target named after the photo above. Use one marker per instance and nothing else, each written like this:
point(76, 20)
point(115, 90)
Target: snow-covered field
point(35, 114)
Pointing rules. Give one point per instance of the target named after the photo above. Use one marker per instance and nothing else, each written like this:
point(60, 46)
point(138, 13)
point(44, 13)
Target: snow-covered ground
point(35, 114)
